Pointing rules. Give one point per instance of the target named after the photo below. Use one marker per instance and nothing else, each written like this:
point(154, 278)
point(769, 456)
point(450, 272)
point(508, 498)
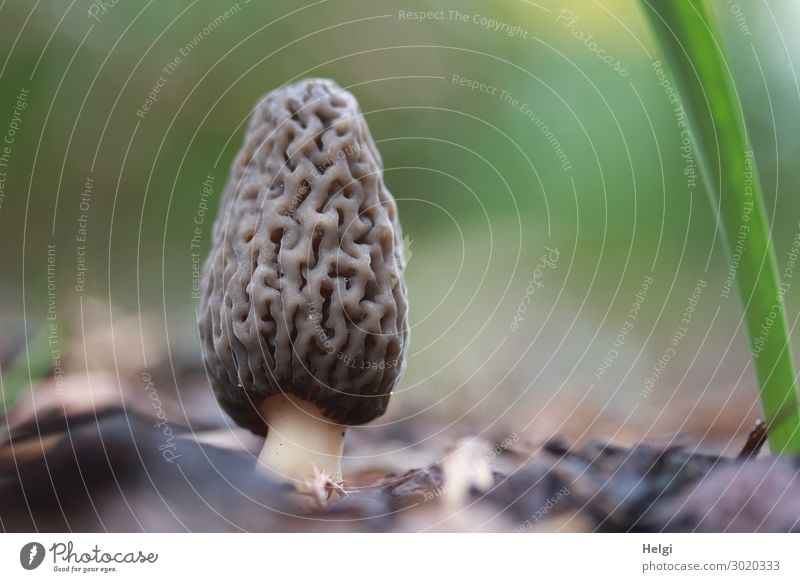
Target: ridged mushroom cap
point(303, 291)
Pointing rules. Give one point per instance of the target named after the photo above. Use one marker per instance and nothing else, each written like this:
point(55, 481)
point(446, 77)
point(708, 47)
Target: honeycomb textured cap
point(303, 291)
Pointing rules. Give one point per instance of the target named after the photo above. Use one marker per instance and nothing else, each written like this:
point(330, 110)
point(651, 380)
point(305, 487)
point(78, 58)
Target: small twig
point(320, 490)
point(756, 440)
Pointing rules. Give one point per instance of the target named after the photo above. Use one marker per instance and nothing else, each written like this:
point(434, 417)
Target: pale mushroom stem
point(300, 441)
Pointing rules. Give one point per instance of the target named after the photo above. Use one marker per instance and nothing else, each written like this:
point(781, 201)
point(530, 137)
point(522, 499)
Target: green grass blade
point(687, 36)
point(30, 365)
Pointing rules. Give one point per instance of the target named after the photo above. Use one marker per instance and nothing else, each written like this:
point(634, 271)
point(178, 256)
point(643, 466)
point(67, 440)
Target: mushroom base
point(300, 441)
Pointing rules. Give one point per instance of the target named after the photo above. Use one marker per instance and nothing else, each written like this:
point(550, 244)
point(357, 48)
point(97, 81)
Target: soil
point(107, 469)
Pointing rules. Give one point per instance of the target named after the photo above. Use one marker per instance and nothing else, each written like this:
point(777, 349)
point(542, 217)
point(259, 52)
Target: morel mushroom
point(303, 313)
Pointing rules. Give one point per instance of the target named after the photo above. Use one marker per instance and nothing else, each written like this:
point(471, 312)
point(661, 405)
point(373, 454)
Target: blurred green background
point(559, 151)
